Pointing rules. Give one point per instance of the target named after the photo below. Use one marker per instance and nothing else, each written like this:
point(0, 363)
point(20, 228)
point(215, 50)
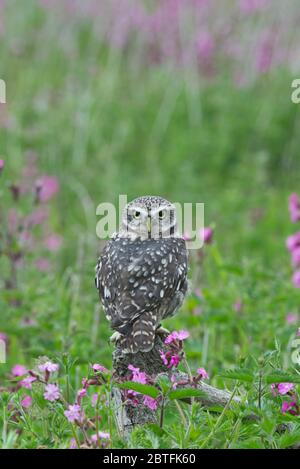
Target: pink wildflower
point(52, 392)
point(42, 264)
point(284, 388)
point(251, 6)
point(99, 368)
point(94, 399)
point(47, 187)
point(175, 360)
point(163, 357)
point(150, 402)
point(38, 217)
point(238, 306)
point(293, 241)
point(27, 382)
point(53, 242)
point(203, 373)
point(137, 375)
point(207, 235)
point(187, 236)
point(73, 413)
point(294, 207)
point(296, 278)
point(26, 402)
point(174, 336)
point(19, 370)
point(296, 257)
point(290, 407)
point(205, 46)
point(274, 389)
point(49, 366)
point(81, 393)
point(291, 318)
point(2, 164)
point(73, 443)
point(174, 382)
point(101, 436)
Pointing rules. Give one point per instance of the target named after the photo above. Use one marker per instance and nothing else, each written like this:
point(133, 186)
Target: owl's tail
point(141, 337)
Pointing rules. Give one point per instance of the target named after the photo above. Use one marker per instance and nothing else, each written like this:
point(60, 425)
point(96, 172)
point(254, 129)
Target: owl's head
point(149, 217)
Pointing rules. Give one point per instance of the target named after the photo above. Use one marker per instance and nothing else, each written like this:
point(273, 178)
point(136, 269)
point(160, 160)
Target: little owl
point(142, 272)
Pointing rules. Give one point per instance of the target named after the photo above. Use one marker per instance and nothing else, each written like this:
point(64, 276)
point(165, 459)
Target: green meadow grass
point(104, 126)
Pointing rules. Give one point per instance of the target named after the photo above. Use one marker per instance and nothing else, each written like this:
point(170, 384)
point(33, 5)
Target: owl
point(142, 273)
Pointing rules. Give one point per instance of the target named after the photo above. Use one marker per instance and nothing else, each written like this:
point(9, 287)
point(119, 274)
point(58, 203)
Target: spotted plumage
point(141, 274)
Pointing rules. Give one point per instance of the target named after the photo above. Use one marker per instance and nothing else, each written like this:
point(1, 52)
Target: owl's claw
point(162, 332)
point(115, 338)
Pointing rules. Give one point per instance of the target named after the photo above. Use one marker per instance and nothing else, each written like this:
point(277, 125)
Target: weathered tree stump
point(128, 416)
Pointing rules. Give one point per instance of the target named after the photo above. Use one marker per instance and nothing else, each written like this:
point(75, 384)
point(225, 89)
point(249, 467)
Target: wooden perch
point(128, 416)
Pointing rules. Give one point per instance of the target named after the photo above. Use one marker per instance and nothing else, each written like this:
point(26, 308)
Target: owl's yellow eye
point(137, 214)
point(161, 214)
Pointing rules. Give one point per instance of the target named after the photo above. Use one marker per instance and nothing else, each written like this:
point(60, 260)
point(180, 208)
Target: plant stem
point(181, 413)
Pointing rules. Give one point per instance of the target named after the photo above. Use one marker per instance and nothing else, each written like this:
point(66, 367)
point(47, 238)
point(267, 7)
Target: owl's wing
point(138, 277)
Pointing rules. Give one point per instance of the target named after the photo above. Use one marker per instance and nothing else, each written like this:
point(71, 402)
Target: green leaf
point(281, 377)
point(146, 389)
point(185, 393)
point(241, 374)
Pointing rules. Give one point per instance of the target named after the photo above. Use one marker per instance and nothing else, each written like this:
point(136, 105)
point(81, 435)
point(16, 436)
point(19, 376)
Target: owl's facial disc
point(155, 221)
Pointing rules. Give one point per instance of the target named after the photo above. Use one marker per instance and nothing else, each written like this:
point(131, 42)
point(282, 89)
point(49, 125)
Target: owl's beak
point(149, 224)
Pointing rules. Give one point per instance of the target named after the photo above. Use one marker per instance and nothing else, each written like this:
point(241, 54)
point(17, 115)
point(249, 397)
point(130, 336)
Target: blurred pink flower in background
point(197, 311)
point(291, 318)
point(296, 278)
point(37, 217)
point(294, 207)
point(94, 399)
point(26, 402)
point(250, 6)
point(187, 236)
point(207, 235)
point(2, 164)
point(205, 45)
point(293, 241)
point(19, 370)
point(265, 52)
point(13, 220)
point(53, 242)
point(47, 187)
point(42, 264)
point(238, 306)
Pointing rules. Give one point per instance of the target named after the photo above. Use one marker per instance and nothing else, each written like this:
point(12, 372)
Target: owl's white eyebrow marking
point(136, 208)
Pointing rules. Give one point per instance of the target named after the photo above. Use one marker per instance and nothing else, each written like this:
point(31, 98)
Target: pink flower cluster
point(138, 376)
point(291, 405)
point(173, 355)
point(22, 235)
point(293, 241)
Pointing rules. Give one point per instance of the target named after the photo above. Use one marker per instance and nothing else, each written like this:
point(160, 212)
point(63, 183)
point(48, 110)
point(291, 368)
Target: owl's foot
point(114, 339)
point(162, 332)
